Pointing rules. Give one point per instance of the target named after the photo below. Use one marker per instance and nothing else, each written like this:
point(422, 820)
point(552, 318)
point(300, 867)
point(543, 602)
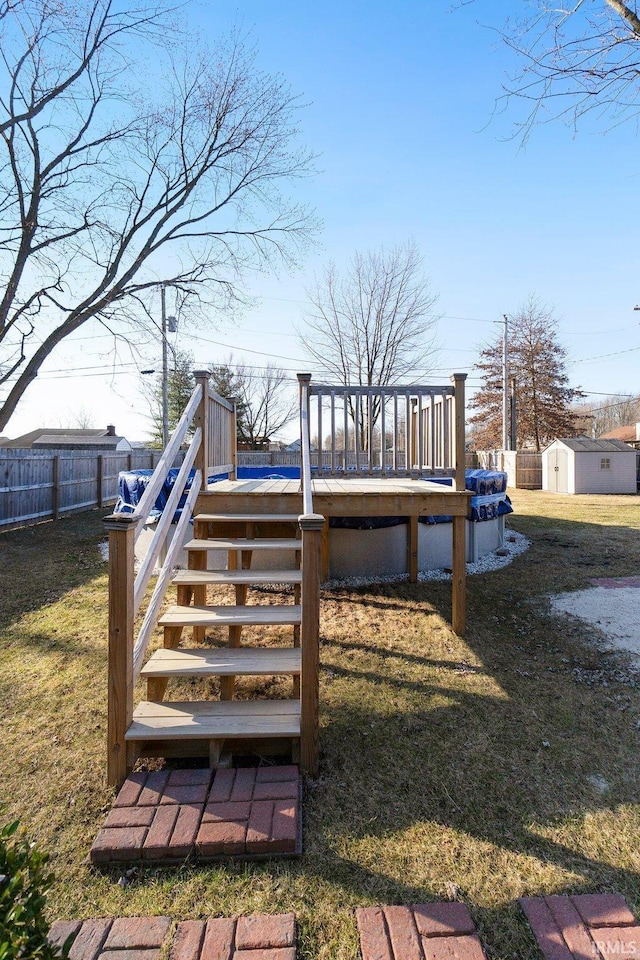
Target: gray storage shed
point(582, 465)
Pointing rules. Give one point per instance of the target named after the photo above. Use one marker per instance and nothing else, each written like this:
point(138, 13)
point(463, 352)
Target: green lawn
point(484, 769)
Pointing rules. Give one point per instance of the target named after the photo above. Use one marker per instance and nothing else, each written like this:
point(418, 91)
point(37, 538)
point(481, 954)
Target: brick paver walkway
point(145, 938)
point(584, 927)
point(166, 816)
point(426, 931)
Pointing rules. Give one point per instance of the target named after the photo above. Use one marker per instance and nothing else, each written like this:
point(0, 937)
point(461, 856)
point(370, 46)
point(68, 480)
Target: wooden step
point(248, 517)
point(256, 614)
point(263, 543)
point(238, 661)
point(233, 577)
point(215, 719)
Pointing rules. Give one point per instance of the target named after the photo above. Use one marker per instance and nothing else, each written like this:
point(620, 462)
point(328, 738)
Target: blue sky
point(400, 110)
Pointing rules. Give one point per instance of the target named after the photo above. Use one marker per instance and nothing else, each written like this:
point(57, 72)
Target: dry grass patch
point(482, 769)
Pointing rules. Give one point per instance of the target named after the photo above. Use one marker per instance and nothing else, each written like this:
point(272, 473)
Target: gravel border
point(514, 545)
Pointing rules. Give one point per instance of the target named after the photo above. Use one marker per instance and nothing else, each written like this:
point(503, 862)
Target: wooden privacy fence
point(40, 485)
point(524, 467)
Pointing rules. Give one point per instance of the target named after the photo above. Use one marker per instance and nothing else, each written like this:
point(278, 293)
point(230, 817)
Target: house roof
point(587, 445)
point(57, 436)
point(69, 440)
point(627, 433)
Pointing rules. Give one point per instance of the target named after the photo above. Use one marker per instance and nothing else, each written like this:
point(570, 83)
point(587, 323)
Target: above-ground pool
point(377, 546)
point(369, 546)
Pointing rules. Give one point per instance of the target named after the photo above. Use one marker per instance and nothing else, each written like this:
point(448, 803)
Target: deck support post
point(311, 526)
point(120, 665)
point(201, 420)
point(412, 549)
point(459, 575)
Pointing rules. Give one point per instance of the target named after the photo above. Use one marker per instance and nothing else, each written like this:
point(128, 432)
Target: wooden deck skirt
point(358, 497)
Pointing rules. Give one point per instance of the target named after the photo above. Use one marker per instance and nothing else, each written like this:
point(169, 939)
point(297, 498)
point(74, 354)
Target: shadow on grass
point(523, 761)
point(41, 563)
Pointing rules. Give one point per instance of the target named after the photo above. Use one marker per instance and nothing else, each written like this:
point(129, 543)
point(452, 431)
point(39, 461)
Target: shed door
point(558, 470)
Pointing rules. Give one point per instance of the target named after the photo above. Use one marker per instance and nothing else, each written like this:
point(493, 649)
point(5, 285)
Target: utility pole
point(165, 371)
point(514, 415)
point(505, 388)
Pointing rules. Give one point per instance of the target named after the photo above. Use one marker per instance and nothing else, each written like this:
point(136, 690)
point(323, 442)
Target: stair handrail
point(311, 525)
point(162, 528)
point(126, 592)
point(304, 380)
point(149, 497)
point(153, 610)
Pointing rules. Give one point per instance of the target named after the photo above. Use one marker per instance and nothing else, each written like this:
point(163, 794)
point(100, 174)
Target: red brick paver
point(167, 816)
point(594, 926)
point(136, 938)
point(147, 938)
point(425, 931)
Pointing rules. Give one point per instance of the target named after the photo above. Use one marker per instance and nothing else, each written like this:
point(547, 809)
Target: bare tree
point(265, 400)
point(543, 394)
point(372, 324)
point(576, 58)
point(616, 411)
point(114, 176)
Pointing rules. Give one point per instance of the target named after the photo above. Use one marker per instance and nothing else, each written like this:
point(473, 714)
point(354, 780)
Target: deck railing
point(208, 425)
point(389, 430)
point(311, 525)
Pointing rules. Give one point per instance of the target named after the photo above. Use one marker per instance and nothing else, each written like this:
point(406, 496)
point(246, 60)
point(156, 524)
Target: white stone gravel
point(613, 610)
point(514, 545)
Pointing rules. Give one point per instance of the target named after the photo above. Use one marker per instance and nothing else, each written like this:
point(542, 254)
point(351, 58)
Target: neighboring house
point(47, 438)
point(629, 434)
point(583, 465)
point(295, 446)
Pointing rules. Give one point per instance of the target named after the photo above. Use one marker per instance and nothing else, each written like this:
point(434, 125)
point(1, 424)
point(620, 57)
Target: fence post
point(99, 476)
point(120, 655)
point(458, 380)
point(201, 420)
point(311, 527)
point(55, 493)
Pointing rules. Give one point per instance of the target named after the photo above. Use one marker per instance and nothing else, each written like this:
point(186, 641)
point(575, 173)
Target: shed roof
point(587, 445)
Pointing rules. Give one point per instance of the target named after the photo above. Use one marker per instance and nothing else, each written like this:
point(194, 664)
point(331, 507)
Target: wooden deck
point(356, 496)
point(288, 519)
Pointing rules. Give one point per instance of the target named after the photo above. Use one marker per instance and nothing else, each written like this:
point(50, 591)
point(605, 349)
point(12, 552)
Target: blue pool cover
point(490, 499)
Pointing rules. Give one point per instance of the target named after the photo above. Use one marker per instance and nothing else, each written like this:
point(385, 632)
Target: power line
point(603, 356)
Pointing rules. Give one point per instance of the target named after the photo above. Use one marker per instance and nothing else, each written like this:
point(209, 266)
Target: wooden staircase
point(226, 724)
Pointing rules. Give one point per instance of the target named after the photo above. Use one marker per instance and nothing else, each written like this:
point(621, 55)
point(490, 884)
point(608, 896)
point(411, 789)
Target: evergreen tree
point(543, 394)
point(180, 386)
point(263, 398)
point(228, 384)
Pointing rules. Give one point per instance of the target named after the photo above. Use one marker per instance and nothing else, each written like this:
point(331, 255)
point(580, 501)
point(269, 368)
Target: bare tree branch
point(575, 60)
point(103, 193)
